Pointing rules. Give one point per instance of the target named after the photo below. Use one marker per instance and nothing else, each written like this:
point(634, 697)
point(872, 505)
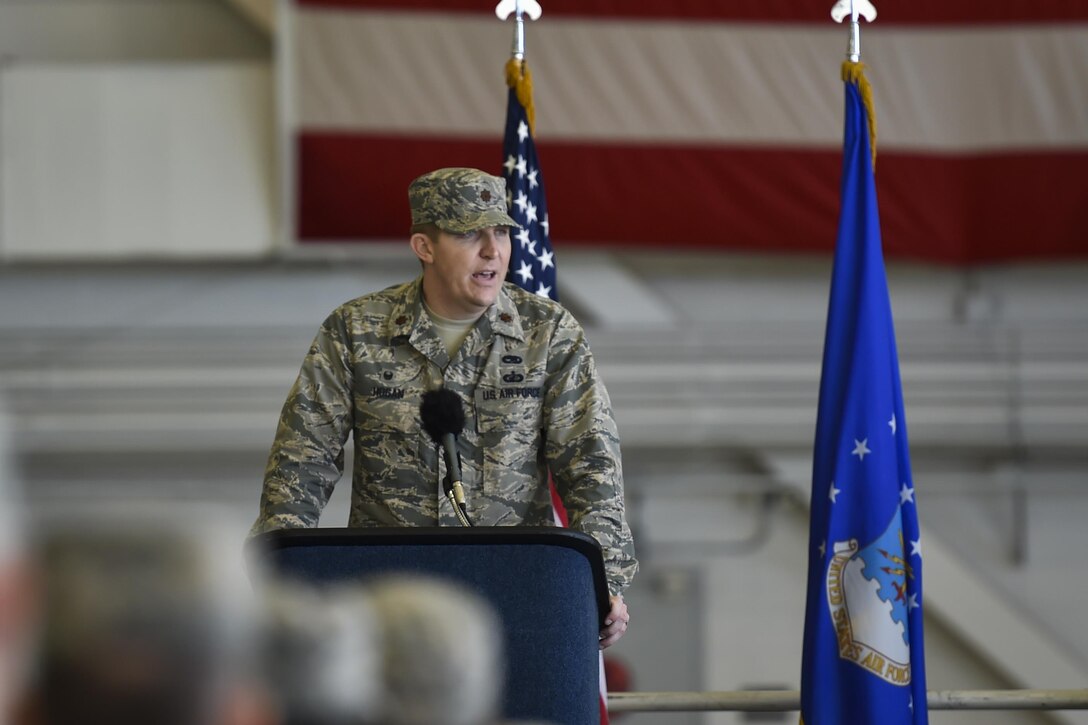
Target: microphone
point(444, 418)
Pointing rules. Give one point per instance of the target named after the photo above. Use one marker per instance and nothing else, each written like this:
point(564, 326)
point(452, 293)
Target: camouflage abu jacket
point(532, 399)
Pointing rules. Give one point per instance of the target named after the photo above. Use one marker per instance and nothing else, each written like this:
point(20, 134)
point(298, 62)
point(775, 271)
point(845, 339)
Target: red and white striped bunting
point(707, 124)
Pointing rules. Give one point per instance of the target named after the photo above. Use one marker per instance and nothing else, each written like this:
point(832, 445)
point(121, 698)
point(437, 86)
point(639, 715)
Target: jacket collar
point(407, 311)
point(503, 316)
point(409, 319)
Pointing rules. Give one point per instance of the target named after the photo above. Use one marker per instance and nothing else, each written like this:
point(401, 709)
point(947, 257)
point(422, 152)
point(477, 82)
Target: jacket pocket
point(508, 426)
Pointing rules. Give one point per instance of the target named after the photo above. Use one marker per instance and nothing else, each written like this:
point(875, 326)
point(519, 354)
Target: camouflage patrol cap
point(459, 200)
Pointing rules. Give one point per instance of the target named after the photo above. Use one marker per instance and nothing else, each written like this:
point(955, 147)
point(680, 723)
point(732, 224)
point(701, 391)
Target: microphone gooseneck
point(443, 418)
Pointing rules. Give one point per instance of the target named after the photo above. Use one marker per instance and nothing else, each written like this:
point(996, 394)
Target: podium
point(547, 585)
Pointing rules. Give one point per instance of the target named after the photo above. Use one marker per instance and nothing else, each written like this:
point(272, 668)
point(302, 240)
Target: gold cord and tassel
point(855, 73)
point(520, 79)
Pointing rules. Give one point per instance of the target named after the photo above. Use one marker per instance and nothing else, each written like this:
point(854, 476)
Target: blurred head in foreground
point(141, 623)
point(441, 650)
point(397, 651)
point(15, 595)
point(319, 654)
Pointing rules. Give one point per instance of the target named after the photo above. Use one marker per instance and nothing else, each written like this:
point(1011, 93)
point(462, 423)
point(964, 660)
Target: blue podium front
point(546, 584)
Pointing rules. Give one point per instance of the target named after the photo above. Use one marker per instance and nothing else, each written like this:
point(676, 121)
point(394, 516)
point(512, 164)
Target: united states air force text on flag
point(532, 263)
point(863, 660)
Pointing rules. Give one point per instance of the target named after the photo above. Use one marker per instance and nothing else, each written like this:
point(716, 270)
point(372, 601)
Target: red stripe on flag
point(968, 12)
point(945, 208)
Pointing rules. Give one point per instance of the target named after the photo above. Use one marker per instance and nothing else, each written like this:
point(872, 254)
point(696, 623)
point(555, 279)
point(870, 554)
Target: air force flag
point(863, 659)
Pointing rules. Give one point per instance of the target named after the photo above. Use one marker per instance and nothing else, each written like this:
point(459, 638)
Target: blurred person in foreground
point(399, 650)
point(16, 594)
point(141, 624)
point(319, 653)
point(519, 364)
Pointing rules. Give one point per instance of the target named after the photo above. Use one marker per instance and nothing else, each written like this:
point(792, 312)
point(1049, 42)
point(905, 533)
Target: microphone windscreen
point(442, 413)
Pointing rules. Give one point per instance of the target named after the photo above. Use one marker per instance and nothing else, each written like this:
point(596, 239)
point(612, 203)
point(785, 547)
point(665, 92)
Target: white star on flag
point(916, 548)
point(891, 423)
point(860, 449)
point(906, 495)
point(526, 272)
point(523, 131)
point(834, 492)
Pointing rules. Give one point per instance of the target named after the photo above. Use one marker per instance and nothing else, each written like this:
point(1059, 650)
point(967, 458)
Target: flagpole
point(853, 47)
point(863, 658)
point(517, 50)
point(853, 8)
point(519, 9)
point(532, 261)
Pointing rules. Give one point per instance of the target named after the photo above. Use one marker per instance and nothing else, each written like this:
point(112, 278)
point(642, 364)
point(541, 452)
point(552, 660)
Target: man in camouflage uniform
point(519, 363)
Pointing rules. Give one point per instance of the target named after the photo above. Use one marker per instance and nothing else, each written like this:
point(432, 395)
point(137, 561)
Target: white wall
point(127, 30)
point(129, 161)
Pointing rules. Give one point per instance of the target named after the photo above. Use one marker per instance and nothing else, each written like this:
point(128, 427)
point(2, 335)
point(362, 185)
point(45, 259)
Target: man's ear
point(423, 247)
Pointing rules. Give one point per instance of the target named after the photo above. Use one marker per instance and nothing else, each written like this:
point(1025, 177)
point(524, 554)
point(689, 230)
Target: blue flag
point(863, 660)
point(532, 262)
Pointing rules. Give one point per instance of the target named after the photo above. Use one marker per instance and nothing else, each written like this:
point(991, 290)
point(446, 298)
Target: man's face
point(463, 273)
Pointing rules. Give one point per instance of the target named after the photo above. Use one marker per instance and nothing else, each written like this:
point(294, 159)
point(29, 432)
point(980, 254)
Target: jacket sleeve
point(583, 451)
point(307, 457)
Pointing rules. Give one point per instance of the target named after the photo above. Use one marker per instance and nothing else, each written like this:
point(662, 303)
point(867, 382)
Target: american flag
point(532, 261)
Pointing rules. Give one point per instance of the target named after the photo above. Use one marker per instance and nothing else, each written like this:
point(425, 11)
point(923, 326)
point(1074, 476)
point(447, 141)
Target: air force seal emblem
point(866, 593)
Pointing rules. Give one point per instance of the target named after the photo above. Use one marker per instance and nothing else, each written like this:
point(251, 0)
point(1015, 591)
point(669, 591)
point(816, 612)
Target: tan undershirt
point(452, 332)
